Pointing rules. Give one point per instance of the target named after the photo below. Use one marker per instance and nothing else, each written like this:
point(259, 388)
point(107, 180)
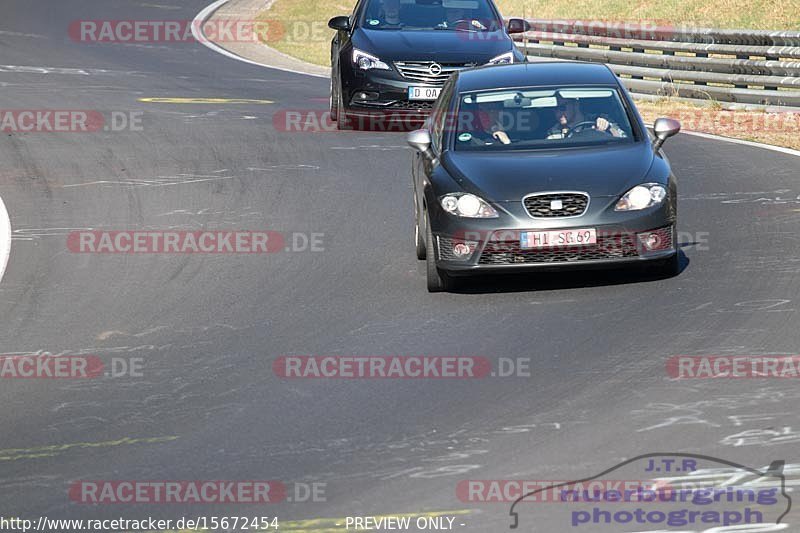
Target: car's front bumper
point(494, 244)
point(386, 93)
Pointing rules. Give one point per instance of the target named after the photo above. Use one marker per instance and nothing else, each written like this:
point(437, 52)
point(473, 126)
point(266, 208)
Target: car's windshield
point(448, 15)
point(537, 118)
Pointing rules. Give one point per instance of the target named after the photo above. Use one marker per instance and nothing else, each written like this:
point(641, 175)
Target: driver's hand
point(602, 124)
point(502, 137)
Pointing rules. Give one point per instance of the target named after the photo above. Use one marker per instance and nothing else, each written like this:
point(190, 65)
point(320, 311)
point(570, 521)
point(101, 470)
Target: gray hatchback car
point(541, 166)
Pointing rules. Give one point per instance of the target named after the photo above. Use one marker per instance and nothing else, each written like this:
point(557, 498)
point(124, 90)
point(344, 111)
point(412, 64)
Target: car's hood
point(601, 171)
point(441, 46)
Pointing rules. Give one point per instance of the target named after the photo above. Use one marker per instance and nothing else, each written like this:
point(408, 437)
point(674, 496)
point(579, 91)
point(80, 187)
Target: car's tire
point(334, 101)
point(343, 122)
point(419, 234)
point(438, 281)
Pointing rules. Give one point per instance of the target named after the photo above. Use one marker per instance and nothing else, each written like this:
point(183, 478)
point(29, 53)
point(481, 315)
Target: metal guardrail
point(742, 66)
point(677, 33)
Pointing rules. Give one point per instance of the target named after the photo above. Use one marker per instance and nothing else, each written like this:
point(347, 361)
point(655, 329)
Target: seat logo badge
point(555, 205)
point(435, 69)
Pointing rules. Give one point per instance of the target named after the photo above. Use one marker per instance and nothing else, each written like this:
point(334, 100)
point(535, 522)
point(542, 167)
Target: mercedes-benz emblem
point(435, 69)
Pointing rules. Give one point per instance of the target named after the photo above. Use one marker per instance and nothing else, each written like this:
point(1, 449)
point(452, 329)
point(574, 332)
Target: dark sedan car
point(391, 57)
point(541, 166)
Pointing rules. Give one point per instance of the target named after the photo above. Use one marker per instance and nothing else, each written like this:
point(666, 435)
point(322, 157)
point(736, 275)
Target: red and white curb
point(197, 31)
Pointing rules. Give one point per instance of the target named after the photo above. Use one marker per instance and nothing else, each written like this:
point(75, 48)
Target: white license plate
point(567, 237)
point(424, 93)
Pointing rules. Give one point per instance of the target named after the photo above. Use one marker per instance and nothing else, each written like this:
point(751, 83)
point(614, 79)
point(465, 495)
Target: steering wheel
point(581, 126)
point(465, 22)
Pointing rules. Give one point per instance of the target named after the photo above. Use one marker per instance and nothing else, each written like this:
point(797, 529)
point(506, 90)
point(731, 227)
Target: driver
point(455, 14)
point(569, 115)
point(391, 13)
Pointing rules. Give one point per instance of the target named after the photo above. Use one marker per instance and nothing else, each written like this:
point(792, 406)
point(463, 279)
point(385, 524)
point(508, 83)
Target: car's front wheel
point(419, 233)
point(343, 122)
point(438, 281)
point(334, 100)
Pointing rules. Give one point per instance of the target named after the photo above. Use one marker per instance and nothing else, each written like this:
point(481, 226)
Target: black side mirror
point(341, 23)
point(518, 26)
point(664, 128)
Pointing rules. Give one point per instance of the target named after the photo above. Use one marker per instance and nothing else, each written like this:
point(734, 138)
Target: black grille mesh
point(573, 204)
point(608, 247)
point(412, 104)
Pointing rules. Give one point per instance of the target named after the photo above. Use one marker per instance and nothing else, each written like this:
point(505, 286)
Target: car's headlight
point(502, 59)
point(467, 205)
point(365, 61)
point(641, 197)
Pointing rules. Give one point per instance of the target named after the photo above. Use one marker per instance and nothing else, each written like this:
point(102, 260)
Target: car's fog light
point(455, 249)
point(461, 249)
point(365, 96)
point(656, 240)
point(652, 241)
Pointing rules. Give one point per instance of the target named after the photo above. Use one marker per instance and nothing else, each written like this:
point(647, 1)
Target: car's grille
point(506, 252)
point(420, 71)
point(412, 104)
point(546, 205)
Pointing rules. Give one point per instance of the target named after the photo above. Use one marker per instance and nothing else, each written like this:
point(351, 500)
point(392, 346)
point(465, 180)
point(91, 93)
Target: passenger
point(487, 125)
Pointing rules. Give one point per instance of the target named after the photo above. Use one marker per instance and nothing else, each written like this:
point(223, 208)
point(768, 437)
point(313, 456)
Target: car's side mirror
point(341, 23)
point(518, 26)
point(664, 128)
point(420, 140)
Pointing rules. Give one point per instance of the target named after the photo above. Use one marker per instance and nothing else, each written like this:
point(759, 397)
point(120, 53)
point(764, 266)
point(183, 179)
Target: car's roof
point(534, 74)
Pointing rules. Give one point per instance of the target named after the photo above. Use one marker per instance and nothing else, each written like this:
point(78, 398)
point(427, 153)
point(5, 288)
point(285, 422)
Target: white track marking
point(754, 144)
point(18, 34)
point(780, 149)
point(197, 31)
point(5, 238)
point(201, 17)
point(27, 69)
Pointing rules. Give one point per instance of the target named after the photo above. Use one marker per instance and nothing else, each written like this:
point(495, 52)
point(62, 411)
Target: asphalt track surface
point(209, 327)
